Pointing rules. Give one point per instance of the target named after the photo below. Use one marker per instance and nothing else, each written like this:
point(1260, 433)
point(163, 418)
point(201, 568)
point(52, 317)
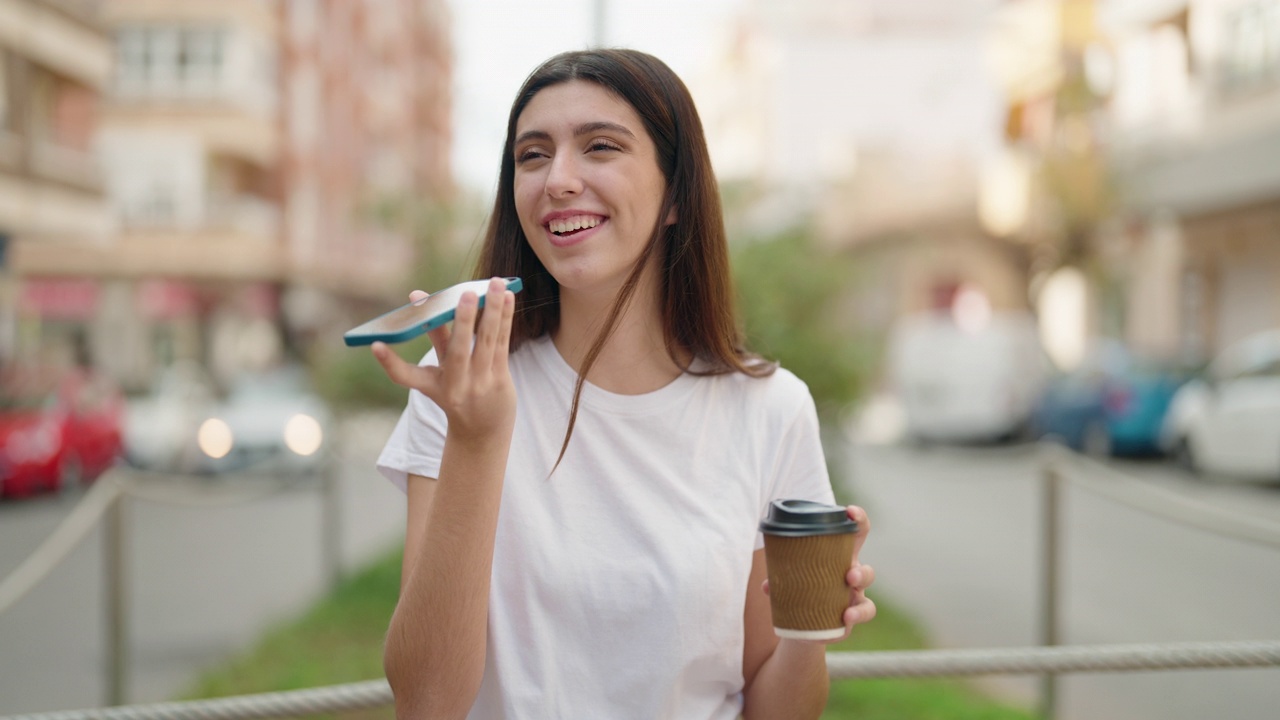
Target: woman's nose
point(564, 178)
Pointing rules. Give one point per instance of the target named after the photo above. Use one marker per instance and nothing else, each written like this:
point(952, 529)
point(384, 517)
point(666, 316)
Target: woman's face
point(588, 188)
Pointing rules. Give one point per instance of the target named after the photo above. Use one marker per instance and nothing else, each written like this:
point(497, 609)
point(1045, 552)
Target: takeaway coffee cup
point(808, 547)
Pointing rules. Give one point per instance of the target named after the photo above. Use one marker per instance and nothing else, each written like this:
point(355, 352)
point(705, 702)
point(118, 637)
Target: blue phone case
point(413, 319)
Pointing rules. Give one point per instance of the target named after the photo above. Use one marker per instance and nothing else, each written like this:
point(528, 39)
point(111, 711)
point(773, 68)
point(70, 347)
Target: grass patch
point(339, 640)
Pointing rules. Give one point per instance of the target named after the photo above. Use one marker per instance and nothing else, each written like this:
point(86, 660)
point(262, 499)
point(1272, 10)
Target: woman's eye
point(529, 154)
point(598, 145)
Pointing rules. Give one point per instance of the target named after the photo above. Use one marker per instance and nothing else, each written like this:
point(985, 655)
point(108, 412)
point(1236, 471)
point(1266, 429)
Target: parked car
point(57, 431)
point(160, 426)
point(1113, 404)
point(966, 384)
point(1226, 424)
point(269, 421)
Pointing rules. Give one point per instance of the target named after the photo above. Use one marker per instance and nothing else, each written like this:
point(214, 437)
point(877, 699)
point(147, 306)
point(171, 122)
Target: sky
point(912, 91)
point(499, 42)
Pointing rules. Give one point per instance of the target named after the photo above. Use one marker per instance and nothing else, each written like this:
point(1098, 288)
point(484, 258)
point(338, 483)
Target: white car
point(160, 427)
point(1226, 424)
point(958, 383)
point(269, 422)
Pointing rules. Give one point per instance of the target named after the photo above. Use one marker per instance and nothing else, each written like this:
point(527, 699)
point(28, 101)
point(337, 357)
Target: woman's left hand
point(861, 608)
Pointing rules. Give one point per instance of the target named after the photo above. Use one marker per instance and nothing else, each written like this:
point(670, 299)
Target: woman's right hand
point(472, 383)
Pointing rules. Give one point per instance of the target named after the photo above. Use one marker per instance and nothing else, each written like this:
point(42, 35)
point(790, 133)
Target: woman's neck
point(634, 360)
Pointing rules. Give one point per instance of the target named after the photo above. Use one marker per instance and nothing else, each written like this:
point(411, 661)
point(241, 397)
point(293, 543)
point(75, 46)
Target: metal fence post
point(117, 602)
point(1049, 575)
point(331, 516)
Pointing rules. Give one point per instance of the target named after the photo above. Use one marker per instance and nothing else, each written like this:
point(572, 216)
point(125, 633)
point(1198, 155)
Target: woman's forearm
point(791, 685)
point(435, 651)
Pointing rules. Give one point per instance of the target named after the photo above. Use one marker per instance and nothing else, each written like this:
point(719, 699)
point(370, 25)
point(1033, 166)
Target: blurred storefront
point(247, 149)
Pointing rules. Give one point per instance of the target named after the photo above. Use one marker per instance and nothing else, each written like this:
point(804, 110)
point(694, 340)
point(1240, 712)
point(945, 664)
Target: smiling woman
point(587, 190)
point(586, 464)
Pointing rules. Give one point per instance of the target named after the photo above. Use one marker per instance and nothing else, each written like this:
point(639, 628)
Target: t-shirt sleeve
point(799, 464)
point(416, 443)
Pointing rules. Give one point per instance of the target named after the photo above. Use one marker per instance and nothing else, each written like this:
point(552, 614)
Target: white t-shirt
point(619, 581)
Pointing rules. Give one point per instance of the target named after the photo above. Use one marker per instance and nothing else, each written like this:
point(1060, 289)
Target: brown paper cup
point(807, 589)
point(808, 547)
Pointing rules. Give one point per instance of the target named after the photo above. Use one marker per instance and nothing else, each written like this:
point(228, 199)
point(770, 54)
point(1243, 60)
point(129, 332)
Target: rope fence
point(292, 703)
point(841, 666)
point(200, 492)
point(1056, 659)
point(69, 533)
point(108, 489)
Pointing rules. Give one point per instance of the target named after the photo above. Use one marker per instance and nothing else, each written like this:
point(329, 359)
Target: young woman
point(586, 463)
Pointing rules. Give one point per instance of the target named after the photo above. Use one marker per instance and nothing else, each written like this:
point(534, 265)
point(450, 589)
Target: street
point(206, 579)
point(956, 541)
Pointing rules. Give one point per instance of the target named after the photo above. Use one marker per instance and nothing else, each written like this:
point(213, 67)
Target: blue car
point(1113, 404)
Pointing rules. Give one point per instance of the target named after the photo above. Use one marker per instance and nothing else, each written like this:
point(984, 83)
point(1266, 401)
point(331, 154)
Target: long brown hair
point(697, 303)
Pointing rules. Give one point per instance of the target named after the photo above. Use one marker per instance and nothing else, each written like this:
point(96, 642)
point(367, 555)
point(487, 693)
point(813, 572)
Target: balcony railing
point(69, 166)
point(242, 216)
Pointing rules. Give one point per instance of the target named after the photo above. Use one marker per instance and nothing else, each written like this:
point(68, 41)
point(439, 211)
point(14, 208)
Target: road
point(956, 541)
point(207, 578)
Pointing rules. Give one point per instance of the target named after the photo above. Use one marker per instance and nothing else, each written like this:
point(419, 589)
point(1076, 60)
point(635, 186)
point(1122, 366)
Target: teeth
point(577, 222)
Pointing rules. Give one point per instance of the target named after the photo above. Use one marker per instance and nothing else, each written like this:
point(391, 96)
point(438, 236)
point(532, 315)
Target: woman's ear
point(671, 217)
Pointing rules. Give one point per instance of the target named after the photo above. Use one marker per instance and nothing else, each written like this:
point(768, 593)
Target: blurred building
point(1144, 140)
point(261, 158)
point(367, 120)
point(871, 119)
point(55, 60)
point(1195, 140)
point(1052, 190)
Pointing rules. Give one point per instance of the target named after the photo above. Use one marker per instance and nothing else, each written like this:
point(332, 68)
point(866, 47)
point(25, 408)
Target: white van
point(966, 384)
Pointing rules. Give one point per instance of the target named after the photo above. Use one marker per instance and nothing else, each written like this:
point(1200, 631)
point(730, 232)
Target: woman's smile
point(567, 228)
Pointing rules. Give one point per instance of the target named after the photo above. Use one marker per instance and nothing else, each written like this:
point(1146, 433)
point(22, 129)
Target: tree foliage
point(791, 294)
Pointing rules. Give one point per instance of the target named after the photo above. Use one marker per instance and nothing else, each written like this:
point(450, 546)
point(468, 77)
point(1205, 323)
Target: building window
point(1251, 55)
point(156, 205)
point(200, 61)
point(170, 61)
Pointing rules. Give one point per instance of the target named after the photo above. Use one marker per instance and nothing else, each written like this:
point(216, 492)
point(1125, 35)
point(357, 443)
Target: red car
point(56, 432)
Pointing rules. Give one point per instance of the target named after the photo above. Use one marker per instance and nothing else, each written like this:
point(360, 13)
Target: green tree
point(791, 293)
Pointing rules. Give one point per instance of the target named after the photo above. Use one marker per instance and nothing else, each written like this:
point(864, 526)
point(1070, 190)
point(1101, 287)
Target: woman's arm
point(785, 678)
point(435, 651)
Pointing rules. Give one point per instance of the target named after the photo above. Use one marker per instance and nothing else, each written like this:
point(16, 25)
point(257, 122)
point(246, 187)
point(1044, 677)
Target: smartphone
point(413, 319)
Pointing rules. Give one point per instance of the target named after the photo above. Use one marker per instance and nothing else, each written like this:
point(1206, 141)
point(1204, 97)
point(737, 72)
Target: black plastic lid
point(801, 518)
